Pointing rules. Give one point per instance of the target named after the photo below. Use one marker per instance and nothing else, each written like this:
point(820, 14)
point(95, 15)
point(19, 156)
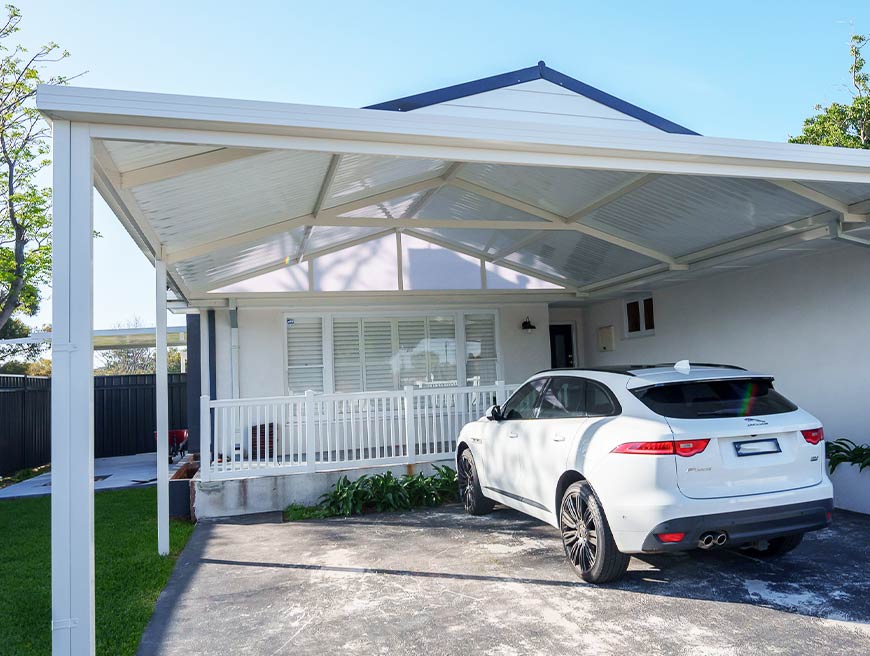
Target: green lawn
point(129, 573)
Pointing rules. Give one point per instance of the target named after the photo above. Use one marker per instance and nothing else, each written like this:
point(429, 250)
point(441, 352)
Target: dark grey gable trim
point(539, 72)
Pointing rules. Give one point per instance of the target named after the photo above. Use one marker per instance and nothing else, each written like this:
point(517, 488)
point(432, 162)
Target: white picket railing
point(329, 432)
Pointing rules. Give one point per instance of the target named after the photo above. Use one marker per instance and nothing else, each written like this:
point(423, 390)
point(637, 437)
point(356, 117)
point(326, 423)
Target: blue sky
point(739, 69)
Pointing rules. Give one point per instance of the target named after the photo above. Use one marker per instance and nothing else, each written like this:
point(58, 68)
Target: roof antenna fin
point(683, 366)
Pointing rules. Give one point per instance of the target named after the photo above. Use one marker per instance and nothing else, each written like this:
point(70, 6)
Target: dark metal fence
point(25, 422)
point(124, 417)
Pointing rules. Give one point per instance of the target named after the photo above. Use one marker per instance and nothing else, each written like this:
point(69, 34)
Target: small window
point(599, 402)
point(564, 397)
point(639, 317)
point(524, 401)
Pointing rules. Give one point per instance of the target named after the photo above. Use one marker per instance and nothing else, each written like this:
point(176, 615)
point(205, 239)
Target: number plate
point(756, 447)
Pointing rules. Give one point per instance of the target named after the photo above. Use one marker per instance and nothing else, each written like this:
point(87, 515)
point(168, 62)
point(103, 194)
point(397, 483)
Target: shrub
point(381, 493)
point(846, 451)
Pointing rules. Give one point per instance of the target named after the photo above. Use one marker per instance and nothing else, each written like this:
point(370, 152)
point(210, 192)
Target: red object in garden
point(177, 442)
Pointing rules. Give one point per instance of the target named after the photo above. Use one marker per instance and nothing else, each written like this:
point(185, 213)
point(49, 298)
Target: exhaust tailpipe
point(721, 539)
point(707, 540)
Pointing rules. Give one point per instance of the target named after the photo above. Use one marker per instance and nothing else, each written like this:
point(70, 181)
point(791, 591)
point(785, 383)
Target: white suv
point(647, 458)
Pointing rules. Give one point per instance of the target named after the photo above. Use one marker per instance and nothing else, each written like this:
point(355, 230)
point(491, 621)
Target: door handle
point(513, 435)
point(558, 438)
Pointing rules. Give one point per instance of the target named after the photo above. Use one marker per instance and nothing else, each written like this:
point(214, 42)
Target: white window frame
point(644, 331)
point(458, 315)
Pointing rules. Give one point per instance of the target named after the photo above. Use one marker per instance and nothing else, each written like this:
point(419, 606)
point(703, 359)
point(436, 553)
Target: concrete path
point(441, 582)
point(109, 473)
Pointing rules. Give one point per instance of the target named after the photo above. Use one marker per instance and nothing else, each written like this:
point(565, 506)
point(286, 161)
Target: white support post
point(500, 395)
point(310, 460)
point(204, 382)
point(72, 398)
point(205, 438)
point(162, 392)
point(410, 427)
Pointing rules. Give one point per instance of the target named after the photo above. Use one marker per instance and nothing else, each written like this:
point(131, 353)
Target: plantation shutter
point(305, 354)
point(347, 369)
point(442, 350)
point(378, 355)
point(481, 359)
point(412, 351)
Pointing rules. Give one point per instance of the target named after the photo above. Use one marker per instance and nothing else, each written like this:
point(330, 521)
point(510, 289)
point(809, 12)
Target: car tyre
point(778, 546)
point(586, 537)
point(470, 492)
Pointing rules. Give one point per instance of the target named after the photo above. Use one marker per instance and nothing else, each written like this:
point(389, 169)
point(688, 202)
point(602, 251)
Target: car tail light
point(648, 448)
point(688, 448)
point(814, 435)
point(670, 537)
point(683, 448)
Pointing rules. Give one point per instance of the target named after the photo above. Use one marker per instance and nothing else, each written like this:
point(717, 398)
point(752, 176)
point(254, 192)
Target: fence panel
point(25, 422)
point(124, 417)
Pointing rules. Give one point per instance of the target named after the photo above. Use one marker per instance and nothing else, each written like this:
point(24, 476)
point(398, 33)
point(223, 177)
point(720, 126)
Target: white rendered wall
point(261, 346)
point(805, 320)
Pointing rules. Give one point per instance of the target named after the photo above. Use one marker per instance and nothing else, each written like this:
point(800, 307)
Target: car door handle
point(558, 438)
point(513, 435)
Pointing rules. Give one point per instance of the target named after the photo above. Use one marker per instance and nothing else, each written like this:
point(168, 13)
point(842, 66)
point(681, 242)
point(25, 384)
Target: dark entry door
point(561, 346)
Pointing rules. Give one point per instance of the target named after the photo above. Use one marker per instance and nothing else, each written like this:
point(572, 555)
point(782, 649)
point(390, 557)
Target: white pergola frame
point(82, 118)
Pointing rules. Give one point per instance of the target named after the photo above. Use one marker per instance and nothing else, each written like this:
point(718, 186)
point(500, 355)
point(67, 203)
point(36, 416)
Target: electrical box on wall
point(606, 339)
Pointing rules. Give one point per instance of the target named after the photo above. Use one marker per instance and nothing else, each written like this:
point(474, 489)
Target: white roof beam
point(176, 167)
point(286, 225)
point(811, 194)
point(322, 195)
point(558, 219)
point(809, 228)
point(451, 172)
point(472, 252)
point(280, 264)
point(608, 198)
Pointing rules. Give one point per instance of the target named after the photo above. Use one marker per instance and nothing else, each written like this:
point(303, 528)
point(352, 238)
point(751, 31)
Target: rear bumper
point(744, 525)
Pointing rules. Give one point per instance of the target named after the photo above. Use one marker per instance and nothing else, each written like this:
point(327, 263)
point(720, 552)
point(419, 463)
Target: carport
point(222, 194)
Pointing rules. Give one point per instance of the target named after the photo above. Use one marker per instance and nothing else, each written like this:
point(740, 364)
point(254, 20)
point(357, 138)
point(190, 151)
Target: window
point(565, 396)
point(715, 398)
point(522, 403)
point(387, 353)
point(639, 317)
point(481, 360)
point(305, 354)
point(599, 401)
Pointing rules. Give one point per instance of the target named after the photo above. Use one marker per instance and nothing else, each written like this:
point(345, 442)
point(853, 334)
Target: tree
point(844, 125)
point(25, 206)
point(16, 358)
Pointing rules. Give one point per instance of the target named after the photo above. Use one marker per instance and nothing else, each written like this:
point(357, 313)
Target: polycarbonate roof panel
point(454, 203)
point(679, 214)
point(578, 257)
point(132, 155)
point(476, 239)
point(395, 208)
point(563, 191)
point(229, 198)
point(327, 236)
point(363, 175)
point(847, 192)
point(201, 273)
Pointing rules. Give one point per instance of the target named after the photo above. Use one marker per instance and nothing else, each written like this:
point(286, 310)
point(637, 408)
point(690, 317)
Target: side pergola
point(218, 193)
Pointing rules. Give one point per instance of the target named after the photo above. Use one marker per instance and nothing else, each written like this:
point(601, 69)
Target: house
point(360, 282)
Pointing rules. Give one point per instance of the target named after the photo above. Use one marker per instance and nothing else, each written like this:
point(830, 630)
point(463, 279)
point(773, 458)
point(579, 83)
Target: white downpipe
point(72, 399)
point(162, 383)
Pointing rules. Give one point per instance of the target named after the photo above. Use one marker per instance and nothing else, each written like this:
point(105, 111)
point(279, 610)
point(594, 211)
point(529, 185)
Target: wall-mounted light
point(528, 326)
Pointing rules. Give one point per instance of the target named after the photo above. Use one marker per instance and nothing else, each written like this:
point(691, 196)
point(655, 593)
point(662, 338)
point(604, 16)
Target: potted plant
point(847, 463)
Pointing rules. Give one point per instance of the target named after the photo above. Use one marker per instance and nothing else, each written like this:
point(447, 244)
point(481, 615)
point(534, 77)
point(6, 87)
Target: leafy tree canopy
point(839, 124)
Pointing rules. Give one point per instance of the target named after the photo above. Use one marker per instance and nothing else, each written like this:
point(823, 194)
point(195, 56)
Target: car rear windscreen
point(705, 399)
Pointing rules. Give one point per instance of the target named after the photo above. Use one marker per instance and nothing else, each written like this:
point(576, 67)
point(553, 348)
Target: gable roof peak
point(539, 72)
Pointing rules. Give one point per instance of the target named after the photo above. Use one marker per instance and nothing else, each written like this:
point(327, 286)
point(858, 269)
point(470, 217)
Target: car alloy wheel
point(579, 531)
point(466, 483)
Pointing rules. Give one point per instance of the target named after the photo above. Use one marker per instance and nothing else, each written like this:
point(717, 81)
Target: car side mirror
point(493, 413)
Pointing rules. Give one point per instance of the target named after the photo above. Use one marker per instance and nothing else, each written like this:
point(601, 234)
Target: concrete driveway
point(441, 582)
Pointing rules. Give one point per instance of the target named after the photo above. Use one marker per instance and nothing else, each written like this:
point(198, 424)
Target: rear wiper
point(711, 413)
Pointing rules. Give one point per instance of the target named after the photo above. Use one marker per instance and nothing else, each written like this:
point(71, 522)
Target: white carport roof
point(227, 190)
